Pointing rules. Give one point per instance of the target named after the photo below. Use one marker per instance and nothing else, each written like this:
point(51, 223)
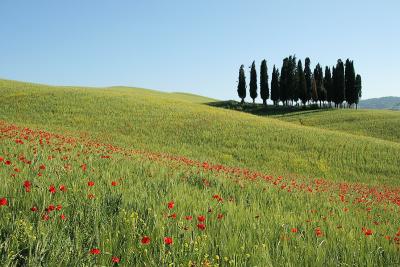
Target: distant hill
point(388, 102)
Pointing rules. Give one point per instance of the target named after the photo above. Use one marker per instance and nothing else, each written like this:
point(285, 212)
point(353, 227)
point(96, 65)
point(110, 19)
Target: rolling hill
point(180, 124)
point(388, 102)
point(134, 177)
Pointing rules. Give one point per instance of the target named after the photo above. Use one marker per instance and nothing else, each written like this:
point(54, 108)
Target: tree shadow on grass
point(270, 110)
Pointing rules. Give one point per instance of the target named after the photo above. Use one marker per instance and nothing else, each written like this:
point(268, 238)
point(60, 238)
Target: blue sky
point(194, 46)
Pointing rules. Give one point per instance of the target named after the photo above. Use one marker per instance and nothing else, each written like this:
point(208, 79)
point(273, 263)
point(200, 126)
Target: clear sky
point(194, 46)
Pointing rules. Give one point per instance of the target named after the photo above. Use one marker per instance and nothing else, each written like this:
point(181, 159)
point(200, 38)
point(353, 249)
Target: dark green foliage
point(319, 82)
point(358, 89)
point(301, 83)
point(314, 91)
point(275, 86)
point(242, 84)
point(308, 76)
point(264, 88)
point(288, 79)
point(350, 79)
point(253, 82)
point(328, 85)
point(338, 83)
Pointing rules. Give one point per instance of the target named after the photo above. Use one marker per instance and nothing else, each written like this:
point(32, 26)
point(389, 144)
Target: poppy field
point(75, 201)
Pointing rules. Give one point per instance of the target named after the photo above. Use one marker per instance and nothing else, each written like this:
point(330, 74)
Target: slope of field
point(94, 191)
point(381, 124)
point(163, 122)
point(71, 201)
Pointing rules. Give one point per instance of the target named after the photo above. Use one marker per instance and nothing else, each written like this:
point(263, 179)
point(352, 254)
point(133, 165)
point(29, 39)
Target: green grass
point(258, 215)
point(381, 124)
point(174, 123)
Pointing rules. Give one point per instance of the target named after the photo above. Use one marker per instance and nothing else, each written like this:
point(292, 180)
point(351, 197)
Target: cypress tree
point(275, 86)
point(253, 82)
point(241, 89)
point(292, 80)
point(319, 80)
point(328, 85)
point(308, 76)
point(301, 83)
point(350, 79)
point(338, 83)
point(314, 92)
point(358, 89)
point(283, 82)
point(264, 88)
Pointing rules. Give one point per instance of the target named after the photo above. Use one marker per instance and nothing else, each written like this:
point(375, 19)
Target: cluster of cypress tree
point(293, 85)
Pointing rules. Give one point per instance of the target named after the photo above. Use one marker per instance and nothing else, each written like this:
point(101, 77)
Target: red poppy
point(90, 183)
point(3, 201)
point(95, 251)
point(188, 218)
point(318, 232)
point(201, 226)
point(59, 207)
point(83, 166)
point(52, 189)
point(168, 240)
point(42, 167)
point(294, 230)
point(173, 216)
point(171, 205)
point(220, 216)
point(62, 216)
point(115, 259)
point(145, 240)
point(367, 232)
point(201, 218)
point(63, 188)
point(114, 183)
point(27, 186)
point(1, 159)
point(7, 162)
point(50, 208)
point(45, 217)
point(34, 208)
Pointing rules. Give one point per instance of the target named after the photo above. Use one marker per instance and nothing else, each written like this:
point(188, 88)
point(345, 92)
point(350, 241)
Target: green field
point(269, 217)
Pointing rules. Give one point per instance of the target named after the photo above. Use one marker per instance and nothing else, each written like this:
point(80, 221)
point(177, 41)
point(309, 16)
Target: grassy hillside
point(381, 124)
point(172, 123)
point(94, 194)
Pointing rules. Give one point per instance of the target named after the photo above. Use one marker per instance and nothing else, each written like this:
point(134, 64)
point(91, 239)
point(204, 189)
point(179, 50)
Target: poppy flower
point(171, 205)
point(201, 226)
point(45, 217)
point(59, 207)
point(3, 201)
point(63, 188)
point(188, 218)
point(95, 251)
point(52, 189)
point(367, 232)
point(115, 259)
point(7, 162)
point(220, 216)
point(201, 218)
point(90, 183)
point(42, 167)
point(62, 216)
point(114, 183)
point(34, 209)
point(173, 216)
point(1, 159)
point(318, 232)
point(294, 230)
point(145, 240)
point(27, 186)
point(168, 240)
